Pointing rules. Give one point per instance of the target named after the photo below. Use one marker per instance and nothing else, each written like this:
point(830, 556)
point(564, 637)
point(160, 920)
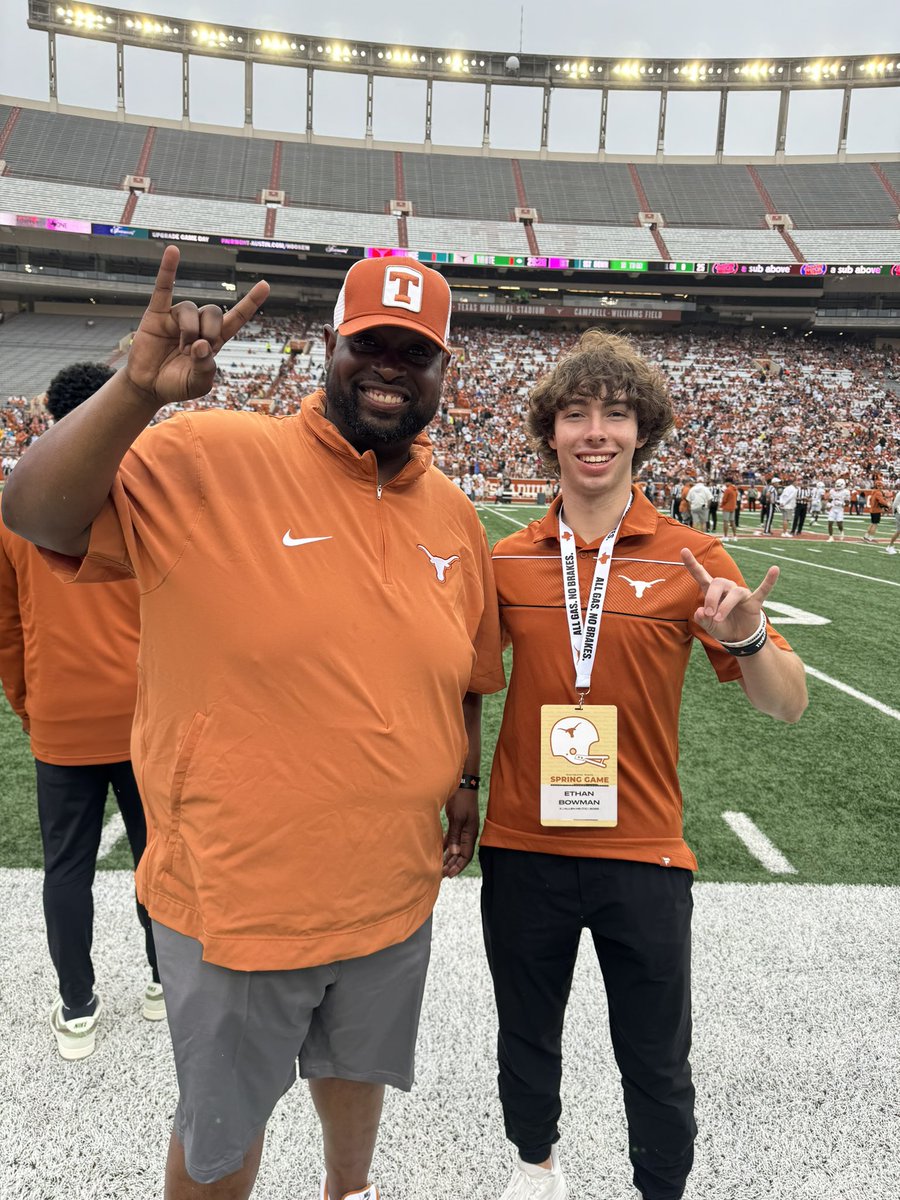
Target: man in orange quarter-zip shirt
point(68, 665)
point(318, 625)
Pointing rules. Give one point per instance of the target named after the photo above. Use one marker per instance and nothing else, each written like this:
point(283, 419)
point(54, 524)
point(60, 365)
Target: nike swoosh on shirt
point(291, 541)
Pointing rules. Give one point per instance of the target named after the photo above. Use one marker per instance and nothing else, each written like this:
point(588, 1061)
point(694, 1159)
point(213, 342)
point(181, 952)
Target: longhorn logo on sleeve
point(441, 565)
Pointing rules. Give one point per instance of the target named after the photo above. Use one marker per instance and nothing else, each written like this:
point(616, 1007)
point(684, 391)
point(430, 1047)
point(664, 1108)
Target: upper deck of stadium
point(63, 164)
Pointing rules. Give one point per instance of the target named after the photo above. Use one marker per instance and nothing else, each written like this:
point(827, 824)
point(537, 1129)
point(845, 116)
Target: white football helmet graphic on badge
point(572, 738)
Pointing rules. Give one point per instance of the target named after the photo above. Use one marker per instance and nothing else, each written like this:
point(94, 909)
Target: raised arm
point(60, 485)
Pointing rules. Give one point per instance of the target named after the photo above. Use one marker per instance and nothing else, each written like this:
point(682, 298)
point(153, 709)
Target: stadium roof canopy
point(459, 65)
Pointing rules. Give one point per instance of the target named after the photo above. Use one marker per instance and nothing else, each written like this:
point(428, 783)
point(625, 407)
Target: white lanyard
point(584, 635)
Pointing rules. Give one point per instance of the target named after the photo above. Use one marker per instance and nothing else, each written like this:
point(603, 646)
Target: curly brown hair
point(606, 365)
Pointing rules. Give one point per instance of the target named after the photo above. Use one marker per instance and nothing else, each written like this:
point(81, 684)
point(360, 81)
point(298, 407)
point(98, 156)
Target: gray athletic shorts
point(238, 1035)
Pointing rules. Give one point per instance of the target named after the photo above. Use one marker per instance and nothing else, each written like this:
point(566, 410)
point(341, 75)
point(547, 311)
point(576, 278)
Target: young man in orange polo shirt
point(318, 625)
point(68, 665)
point(584, 823)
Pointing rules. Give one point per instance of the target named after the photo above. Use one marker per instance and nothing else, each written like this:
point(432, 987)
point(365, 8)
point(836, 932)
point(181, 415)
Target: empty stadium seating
point(42, 199)
point(71, 149)
point(703, 195)
point(580, 193)
point(209, 164)
point(738, 245)
point(494, 237)
point(61, 151)
point(829, 195)
point(200, 216)
point(849, 245)
point(316, 225)
point(335, 177)
point(34, 346)
point(596, 241)
point(460, 185)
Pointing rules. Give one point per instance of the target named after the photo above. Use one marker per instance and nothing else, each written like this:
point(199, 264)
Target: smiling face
point(383, 386)
point(595, 440)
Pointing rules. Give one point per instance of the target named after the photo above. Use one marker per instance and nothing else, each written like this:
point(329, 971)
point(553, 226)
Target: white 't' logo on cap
point(403, 288)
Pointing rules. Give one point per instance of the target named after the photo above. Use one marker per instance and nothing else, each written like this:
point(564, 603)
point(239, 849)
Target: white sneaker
point(890, 549)
point(537, 1183)
point(369, 1192)
point(840, 537)
point(75, 1038)
point(831, 539)
point(154, 1008)
point(787, 535)
point(866, 538)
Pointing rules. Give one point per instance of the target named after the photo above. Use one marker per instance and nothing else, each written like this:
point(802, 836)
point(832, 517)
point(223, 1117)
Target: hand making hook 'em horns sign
point(173, 355)
point(729, 612)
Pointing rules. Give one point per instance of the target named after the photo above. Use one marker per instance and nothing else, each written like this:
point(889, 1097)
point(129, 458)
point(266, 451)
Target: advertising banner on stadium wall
point(629, 266)
point(56, 224)
point(592, 311)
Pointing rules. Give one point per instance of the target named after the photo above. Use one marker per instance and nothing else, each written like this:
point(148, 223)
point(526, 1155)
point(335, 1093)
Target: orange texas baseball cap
point(394, 291)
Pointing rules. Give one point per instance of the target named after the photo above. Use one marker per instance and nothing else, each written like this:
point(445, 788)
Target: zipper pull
point(378, 491)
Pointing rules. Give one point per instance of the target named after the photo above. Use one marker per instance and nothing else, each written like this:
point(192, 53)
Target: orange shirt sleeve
point(12, 641)
point(147, 520)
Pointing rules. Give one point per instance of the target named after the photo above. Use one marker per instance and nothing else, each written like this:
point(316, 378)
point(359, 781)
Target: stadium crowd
point(752, 404)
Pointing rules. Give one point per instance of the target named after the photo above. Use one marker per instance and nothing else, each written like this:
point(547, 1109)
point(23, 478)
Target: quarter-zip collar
point(314, 426)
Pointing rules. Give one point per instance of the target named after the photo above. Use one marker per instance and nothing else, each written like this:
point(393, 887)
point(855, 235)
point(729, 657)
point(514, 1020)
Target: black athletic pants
point(71, 801)
point(767, 514)
point(799, 518)
point(534, 907)
point(711, 518)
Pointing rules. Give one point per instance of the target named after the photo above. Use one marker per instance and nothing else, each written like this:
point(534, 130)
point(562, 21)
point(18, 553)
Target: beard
point(369, 432)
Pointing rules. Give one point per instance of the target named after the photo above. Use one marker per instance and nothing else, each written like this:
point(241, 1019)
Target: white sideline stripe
point(845, 687)
point(512, 520)
point(113, 830)
point(849, 552)
point(758, 844)
point(819, 566)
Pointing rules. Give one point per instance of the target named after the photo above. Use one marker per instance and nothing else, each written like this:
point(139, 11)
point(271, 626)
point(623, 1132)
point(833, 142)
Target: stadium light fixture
point(96, 19)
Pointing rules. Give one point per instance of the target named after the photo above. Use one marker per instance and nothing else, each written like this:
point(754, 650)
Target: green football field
point(823, 793)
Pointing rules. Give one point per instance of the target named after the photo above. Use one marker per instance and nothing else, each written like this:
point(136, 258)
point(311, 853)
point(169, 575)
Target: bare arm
point(775, 683)
point(463, 817)
point(61, 484)
point(774, 680)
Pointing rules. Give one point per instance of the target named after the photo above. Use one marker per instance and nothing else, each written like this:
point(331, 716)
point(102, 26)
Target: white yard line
point(512, 520)
point(758, 844)
point(113, 830)
point(819, 566)
point(850, 691)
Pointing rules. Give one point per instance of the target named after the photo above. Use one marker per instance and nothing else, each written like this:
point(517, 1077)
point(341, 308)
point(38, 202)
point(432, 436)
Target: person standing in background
point(876, 506)
point(787, 502)
point(729, 503)
point(804, 493)
point(68, 664)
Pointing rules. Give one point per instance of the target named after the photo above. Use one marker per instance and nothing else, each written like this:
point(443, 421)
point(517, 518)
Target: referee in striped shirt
point(804, 493)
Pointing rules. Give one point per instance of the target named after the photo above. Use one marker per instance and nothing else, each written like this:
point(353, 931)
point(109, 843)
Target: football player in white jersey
point(838, 498)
